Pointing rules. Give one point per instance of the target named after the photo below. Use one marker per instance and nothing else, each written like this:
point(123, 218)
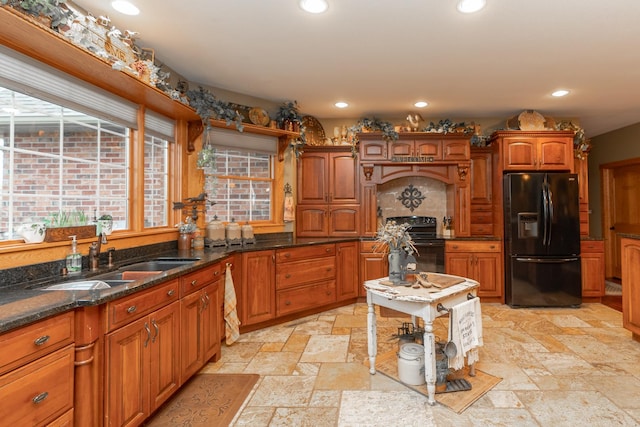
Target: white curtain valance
point(26, 75)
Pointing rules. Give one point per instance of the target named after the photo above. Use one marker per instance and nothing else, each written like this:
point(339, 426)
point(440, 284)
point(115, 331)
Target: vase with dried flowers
point(396, 240)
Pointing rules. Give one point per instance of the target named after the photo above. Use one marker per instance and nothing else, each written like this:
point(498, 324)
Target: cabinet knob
point(132, 309)
point(41, 340)
point(194, 282)
point(216, 273)
point(287, 255)
point(492, 247)
point(287, 276)
point(328, 268)
point(171, 292)
point(287, 303)
point(40, 397)
point(327, 250)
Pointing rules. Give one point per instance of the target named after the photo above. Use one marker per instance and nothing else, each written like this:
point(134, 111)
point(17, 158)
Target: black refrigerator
point(542, 240)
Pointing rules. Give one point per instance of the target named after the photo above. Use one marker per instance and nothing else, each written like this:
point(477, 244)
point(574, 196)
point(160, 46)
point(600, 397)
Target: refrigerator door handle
point(547, 260)
point(545, 214)
point(550, 218)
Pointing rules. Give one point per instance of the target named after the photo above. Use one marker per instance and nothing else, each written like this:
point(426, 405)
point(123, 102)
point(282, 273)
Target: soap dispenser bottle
point(74, 258)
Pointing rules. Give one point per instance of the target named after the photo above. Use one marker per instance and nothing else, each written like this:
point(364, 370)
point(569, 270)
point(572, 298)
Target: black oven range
point(430, 247)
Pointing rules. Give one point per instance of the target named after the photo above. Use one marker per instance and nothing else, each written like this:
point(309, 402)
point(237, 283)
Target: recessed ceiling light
point(125, 7)
point(421, 104)
point(314, 6)
point(471, 6)
point(341, 104)
point(560, 93)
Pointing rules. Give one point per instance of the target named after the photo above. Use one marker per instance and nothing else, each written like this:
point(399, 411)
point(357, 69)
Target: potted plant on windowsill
point(62, 224)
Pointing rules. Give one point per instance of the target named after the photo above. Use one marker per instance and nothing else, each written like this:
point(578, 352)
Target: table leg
point(430, 361)
point(372, 337)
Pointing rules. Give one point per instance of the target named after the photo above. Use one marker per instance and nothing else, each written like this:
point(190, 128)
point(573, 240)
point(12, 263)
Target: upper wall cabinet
point(414, 147)
point(535, 151)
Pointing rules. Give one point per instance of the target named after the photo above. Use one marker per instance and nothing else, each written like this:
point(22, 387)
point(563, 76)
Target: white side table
point(418, 303)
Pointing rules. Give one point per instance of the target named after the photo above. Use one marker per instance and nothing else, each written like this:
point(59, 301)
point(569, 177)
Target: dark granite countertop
point(630, 236)
point(22, 304)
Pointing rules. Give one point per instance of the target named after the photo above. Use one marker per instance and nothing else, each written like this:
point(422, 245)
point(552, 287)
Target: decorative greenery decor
point(57, 10)
point(288, 111)
point(66, 219)
point(209, 107)
point(447, 126)
point(581, 144)
point(376, 125)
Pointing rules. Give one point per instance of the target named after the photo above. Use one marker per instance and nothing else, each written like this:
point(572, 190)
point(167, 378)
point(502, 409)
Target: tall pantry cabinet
point(327, 193)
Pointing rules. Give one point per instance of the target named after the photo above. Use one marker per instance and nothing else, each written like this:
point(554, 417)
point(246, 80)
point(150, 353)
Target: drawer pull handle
point(43, 339)
point(132, 309)
point(194, 282)
point(40, 397)
point(287, 303)
point(155, 326)
point(492, 247)
point(171, 292)
point(328, 292)
point(287, 276)
point(328, 268)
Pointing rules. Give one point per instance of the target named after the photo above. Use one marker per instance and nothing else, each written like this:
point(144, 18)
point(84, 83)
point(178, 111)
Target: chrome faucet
point(94, 252)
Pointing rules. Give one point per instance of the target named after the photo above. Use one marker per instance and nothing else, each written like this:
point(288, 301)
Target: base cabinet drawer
point(39, 392)
point(298, 272)
point(305, 297)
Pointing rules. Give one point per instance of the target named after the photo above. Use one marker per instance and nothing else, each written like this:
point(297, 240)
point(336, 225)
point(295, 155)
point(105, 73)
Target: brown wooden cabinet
point(582, 169)
point(373, 265)
point(630, 249)
point(535, 151)
point(592, 262)
point(37, 373)
point(347, 271)
point(328, 193)
point(200, 333)
point(305, 278)
point(142, 366)
point(258, 287)
point(481, 191)
point(478, 260)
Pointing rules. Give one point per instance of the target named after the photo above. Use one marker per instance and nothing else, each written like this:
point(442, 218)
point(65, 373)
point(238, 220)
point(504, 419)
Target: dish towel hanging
point(232, 323)
point(289, 211)
point(466, 332)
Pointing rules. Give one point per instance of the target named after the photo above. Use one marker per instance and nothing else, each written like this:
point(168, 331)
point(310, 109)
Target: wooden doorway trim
point(611, 239)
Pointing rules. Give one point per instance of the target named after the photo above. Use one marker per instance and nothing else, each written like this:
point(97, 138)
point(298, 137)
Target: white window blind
point(26, 75)
point(159, 126)
point(244, 141)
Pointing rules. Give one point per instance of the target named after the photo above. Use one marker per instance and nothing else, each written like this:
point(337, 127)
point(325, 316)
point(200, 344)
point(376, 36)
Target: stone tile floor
point(560, 367)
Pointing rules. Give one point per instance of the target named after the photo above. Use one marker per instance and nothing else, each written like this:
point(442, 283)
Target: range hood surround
point(436, 203)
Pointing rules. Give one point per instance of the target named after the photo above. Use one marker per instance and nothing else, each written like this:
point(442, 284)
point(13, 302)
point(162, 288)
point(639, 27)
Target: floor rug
point(612, 288)
point(387, 364)
point(206, 400)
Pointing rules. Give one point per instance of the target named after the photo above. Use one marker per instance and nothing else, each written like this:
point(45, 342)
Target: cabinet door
point(631, 284)
point(555, 154)
point(312, 220)
point(127, 374)
point(592, 259)
point(347, 270)
point(343, 179)
point(373, 150)
point(459, 264)
point(210, 322)
point(192, 356)
point(258, 287)
point(488, 272)
point(344, 221)
point(428, 148)
point(165, 354)
point(372, 266)
point(519, 154)
point(313, 178)
point(457, 149)
point(401, 148)
point(481, 177)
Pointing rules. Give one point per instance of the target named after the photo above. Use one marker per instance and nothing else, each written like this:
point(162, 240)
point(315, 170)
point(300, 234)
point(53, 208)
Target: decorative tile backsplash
point(435, 203)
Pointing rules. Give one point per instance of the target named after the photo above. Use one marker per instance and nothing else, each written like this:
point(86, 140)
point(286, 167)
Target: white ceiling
point(383, 55)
